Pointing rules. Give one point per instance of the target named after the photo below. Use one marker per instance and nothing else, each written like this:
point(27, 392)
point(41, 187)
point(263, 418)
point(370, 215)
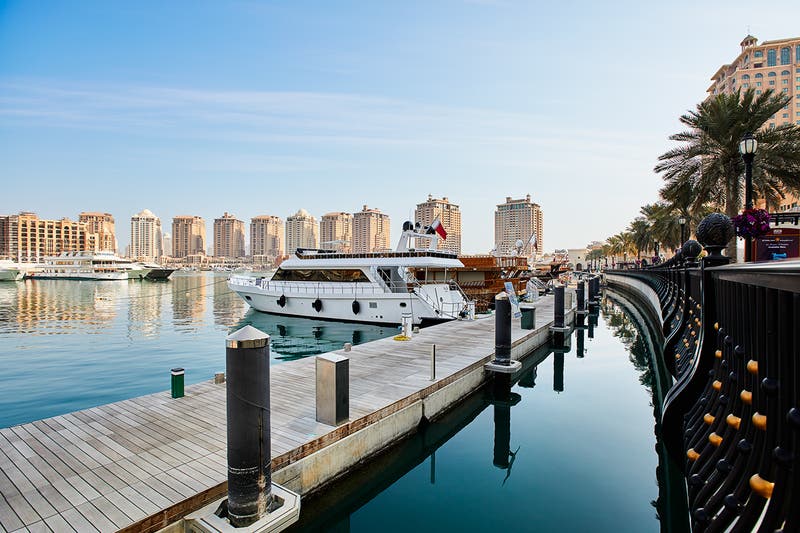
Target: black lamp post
point(657, 258)
point(747, 147)
point(682, 222)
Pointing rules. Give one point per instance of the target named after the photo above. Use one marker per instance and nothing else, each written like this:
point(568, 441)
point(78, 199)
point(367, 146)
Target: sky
point(265, 107)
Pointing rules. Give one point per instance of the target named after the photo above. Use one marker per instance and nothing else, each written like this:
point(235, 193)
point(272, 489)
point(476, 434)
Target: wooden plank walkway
point(108, 467)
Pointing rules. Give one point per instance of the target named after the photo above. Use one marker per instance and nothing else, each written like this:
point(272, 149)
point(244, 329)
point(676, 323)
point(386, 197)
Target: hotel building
point(370, 231)
point(100, 231)
point(301, 231)
point(770, 65)
point(518, 220)
point(228, 237)
point(146, 237)
point(188, 236)
point(266, 237)
point(27, 238)
point(450, 217)
point(336, 232)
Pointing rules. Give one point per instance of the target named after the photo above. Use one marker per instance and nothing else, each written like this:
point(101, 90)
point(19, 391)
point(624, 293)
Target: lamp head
point(748, 144)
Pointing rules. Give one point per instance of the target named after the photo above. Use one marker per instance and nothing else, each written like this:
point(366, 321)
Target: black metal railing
point(732, 344)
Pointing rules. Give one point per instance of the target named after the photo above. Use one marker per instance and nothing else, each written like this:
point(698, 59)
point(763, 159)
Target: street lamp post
point(682, 222)
point(747, 147)
point(656, 258)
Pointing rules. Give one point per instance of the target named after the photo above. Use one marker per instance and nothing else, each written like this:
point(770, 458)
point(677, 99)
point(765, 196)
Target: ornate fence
point(732, 344)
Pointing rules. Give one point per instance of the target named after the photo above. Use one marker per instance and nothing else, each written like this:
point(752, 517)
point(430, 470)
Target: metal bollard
point(502, 330)
point(248, 410)
point(528, 320)
point(177, 382)
point(433, 362)
point(558, 307)
point(333, 389)
point(581, 296)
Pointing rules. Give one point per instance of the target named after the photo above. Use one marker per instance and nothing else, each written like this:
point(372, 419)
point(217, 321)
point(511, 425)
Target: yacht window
point(373, 305)
point(333, 275)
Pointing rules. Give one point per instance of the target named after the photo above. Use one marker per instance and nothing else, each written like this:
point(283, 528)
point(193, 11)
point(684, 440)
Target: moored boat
point(101, 266)
point(377, 287)
point(10, 271)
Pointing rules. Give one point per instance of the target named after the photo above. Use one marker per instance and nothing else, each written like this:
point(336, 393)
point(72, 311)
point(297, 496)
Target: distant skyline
point(268, 107)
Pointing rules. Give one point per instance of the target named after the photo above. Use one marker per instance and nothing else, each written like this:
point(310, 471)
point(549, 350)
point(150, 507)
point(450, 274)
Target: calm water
point(572, 449)
point(69, 345)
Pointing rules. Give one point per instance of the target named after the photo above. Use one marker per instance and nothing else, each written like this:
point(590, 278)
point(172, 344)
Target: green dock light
point(177, 382)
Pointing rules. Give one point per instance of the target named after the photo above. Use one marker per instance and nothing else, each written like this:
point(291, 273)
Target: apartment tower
point(100, 231)
point(770, 65)
point(336, 232)
point(518, 220)
point(301, 231)
point(188, 236)
point(27, 238)
point(266, 237)
point(370, 231)
point(146, 237)
point(228, 237)
point(450, 217)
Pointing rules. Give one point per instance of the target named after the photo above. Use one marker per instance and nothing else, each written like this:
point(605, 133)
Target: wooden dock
point(140, 463)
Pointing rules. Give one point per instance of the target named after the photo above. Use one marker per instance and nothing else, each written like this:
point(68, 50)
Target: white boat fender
point(317, 305)
point(356, 307)
point(282, 300)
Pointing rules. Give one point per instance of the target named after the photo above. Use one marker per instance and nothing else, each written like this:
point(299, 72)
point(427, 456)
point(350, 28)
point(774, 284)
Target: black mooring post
point(502, 330)
point(558, 307)
point(581, 297)
point(249, 480)
point(502, 435)
point(579, 333)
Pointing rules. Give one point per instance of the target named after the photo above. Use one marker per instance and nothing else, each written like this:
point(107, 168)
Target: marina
point(142, 463)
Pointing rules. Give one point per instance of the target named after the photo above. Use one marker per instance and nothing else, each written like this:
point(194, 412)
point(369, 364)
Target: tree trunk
point(731, 210)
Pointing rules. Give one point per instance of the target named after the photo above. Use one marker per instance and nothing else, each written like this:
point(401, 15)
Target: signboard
point(779, 243)
point(512, 297)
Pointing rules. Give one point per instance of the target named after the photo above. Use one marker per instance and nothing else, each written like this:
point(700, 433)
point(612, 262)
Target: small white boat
point(89, 266)
point(377, 287)
point(10, 271)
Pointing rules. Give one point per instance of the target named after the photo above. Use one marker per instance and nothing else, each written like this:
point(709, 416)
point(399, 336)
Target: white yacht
point(374, 287)
point(89, 266)
point(10, 271)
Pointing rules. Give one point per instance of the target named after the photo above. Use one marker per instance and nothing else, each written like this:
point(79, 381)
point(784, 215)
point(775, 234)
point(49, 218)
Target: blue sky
point(191, 107)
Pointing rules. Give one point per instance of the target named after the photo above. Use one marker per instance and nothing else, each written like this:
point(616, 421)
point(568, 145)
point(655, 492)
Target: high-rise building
point(146, 237)
point(266, 236)
point(100, 231)
point(228, 237)
point(518, 220)
point(336, 231)
point(27, 238)
point(450, 217)
point(166, 244)
point(770, 65)
point(188, 236)
point(370, 231)
point(301, 231)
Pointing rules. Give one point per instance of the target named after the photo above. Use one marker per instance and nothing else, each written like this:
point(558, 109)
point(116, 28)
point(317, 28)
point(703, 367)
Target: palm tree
point(708, 160)
point(642, 236)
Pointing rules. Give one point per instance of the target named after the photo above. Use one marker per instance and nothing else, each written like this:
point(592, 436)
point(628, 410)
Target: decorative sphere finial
point(690, 250)
point(714, 232)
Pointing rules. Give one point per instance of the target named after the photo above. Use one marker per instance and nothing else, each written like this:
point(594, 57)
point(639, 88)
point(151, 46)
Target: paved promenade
point(140, 462)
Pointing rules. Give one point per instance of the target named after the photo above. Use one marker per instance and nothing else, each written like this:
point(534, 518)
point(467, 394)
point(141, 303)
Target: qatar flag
point(438, 228)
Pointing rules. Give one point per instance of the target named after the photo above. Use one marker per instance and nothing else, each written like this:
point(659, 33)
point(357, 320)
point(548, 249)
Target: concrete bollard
point(347, 347)
point(558, 307)
point(502, 330)
point(176, 375)
point(248, 411)
point(333, 389)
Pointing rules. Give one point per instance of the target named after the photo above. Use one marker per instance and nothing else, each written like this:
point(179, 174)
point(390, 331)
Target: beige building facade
point(769, 65)
point(146, 242)
point(188, 236)
point(370, 231)
point(266, 237)
point(336, 232)
point(518, 219)
point(100, 228)
point(450, 217)
point(228, 237)
point(302, 231)
point(26, 238)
